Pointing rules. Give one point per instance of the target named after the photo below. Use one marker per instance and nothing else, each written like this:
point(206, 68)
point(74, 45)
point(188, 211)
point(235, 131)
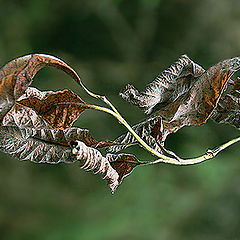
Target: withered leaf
point(166, 88)
point(56, 109)
point(145, 130)
point(113, 167)
point(25, 117)
point(27, 135)
point(17, 75)
point(228, 107)
point(124, 164)
point(36, 125)
point(92, 160)
point(55, 146)
point(40, 145)
point(182, 95)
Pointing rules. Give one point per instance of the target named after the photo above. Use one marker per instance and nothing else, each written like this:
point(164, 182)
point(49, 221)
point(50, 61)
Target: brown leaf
point(56, 109)
point(25, 117)
point(113, 168)
point(25, 135)
point(166, 88)
point(17, 75)
point(209, 89)
point(182, 95)
point(36, 125)
point(124, 164)
point(228, 107)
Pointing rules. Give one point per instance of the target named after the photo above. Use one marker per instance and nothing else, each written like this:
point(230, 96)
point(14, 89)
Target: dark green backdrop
point(111, 43)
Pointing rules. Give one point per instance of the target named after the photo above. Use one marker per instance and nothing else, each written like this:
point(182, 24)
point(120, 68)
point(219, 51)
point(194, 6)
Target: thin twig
point(208, 155)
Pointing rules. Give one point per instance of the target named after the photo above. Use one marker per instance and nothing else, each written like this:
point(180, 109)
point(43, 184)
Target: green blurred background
point(111, 43)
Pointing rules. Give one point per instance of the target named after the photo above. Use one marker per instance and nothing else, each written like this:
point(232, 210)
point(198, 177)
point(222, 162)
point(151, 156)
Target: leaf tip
point(113, 187)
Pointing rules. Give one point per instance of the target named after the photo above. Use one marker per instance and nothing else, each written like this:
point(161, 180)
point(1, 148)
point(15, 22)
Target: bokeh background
point(111, 43)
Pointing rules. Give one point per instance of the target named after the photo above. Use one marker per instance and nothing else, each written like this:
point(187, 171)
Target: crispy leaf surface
point(25, 117)
point(37, 126)
point(145, 130)
point(56, 109)
point(92, 160)
point(124, 164)
point(113, 168)
point(55, 146)
point(228, 108)
point(166, 88)
point(42, 145)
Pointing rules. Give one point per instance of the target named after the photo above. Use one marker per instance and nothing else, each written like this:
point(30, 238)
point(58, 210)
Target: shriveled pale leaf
point(41, 146)
point(113, 167)
point(24, 117)
point(166, 88)
point(17, 75)
point(55, 146)
point(92, 160)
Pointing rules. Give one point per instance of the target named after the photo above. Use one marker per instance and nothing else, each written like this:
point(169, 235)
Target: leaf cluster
point(38, 126)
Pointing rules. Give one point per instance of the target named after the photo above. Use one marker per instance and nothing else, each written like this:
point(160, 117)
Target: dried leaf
point(124, 164)
point(36, 125)
point(145, 131)
point(22, 116)
point(182, 95)
point(113, 168)
point(92, 160)
point(228, 107)
point(166, 88)
point(17, 75)
point(40, 145)
point(29, 137)
point(55, 146)
point(56, 109)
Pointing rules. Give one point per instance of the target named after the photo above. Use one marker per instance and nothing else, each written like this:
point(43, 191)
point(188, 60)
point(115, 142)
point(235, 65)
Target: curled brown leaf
point(17, 75)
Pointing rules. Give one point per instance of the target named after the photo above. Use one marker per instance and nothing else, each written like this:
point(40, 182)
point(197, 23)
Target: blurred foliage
point(111, 43)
